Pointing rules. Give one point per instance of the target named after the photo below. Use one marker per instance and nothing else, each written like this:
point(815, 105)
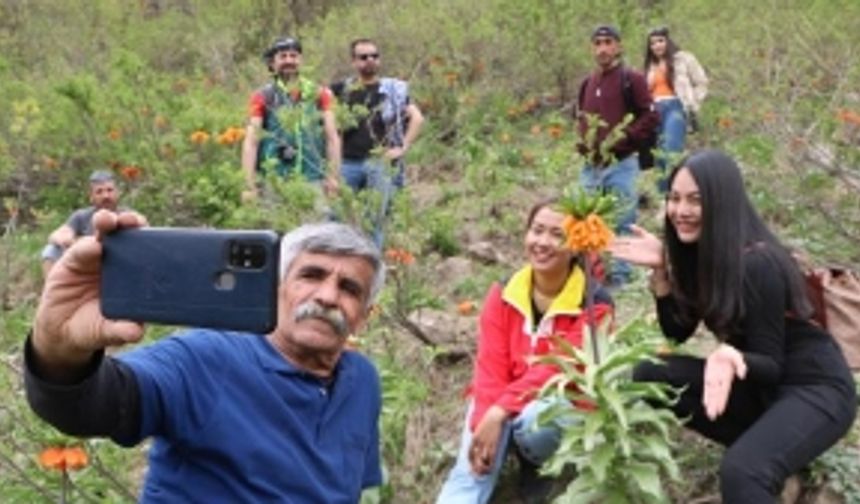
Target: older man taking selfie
point(290, 416)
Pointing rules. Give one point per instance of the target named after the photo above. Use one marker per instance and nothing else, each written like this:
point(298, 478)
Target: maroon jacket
point(602, 95)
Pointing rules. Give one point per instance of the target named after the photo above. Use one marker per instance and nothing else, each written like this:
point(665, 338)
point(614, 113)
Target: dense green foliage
point(153, 89)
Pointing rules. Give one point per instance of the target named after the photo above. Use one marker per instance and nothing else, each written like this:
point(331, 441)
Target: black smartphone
point(218, 279)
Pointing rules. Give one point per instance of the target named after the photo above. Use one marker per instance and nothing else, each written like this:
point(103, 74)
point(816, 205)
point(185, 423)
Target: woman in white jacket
point(678, 85)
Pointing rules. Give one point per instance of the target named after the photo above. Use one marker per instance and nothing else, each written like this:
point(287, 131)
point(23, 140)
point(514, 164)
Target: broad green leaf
point(647, 478)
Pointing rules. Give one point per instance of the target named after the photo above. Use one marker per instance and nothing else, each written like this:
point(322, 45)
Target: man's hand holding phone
point(69, 326)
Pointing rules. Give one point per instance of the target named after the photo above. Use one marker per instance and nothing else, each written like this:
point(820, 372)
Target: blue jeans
point(673, 136)
point(399, 178)
point(535, 445)
point(619, 178)
point(370, 173)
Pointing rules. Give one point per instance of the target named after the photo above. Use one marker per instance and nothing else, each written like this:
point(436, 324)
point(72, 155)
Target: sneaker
point(532, 487)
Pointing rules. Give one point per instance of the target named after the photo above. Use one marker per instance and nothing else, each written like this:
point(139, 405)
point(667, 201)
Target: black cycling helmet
point(282, 44)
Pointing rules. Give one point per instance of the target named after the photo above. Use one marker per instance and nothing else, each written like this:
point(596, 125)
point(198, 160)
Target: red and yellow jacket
point(508, 337)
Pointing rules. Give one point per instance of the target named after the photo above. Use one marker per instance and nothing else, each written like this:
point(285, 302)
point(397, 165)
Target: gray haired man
point(103, 193)
point(289, 416)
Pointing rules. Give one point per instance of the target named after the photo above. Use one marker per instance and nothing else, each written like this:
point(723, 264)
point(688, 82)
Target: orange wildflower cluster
point(399, 256)
point(115, 134)
point(199, 137)
point(554, 131)
point(466, 307)
point(526, 107)
point(848, 117)
point(725, 123)
point(63, 458)
point(130, 172)
point(590, 234)
point(231, 136)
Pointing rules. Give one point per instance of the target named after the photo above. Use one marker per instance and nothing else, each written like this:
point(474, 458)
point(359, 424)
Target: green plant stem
point(65, 487)
point(589, 307)
point(99, 467)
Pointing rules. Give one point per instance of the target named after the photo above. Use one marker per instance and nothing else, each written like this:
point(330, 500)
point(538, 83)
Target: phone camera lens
point(244, 255)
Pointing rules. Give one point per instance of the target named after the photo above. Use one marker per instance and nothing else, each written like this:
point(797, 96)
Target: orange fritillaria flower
point(530, 105)
point(130, 172)
point(848, 117)
point(76, 458)
point(725, 122)
point(52, 458)
point(63, 458)
point(231, 136)
point(399, 256)
point(466, 307)
point(199, 137)
point(554, 131)
point(590, 234)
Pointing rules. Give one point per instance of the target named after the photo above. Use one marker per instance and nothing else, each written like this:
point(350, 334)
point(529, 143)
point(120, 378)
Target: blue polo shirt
point(233, 421)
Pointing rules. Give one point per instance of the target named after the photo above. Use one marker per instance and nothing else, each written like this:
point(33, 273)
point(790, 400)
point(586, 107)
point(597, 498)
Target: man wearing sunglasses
point(292, 125)
point(381, 123)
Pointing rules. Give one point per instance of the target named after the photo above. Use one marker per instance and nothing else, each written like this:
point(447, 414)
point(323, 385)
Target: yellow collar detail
point(518, 290)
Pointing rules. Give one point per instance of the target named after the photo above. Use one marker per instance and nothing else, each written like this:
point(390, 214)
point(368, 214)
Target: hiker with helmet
point(611, 95)
point(290, 118)
point(384, 125)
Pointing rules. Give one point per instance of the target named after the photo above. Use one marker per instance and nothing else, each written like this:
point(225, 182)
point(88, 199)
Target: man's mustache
point(333, 316)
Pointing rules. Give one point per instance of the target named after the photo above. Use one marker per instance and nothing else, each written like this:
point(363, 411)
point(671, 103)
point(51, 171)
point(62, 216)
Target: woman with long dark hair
point(678, 85)
point(776, 391)
point(519, 319)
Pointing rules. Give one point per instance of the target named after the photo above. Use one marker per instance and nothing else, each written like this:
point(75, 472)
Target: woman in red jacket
point(543, 299)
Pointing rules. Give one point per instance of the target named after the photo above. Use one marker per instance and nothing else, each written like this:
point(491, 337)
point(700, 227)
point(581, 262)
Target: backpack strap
point(581, 97)
point(627, 91)
point(340, 88)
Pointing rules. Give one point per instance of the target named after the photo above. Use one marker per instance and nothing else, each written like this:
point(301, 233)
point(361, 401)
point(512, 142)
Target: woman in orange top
point(678, 85)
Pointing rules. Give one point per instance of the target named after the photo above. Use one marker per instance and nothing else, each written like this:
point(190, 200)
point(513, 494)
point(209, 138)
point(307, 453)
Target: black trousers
point(769, 434)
